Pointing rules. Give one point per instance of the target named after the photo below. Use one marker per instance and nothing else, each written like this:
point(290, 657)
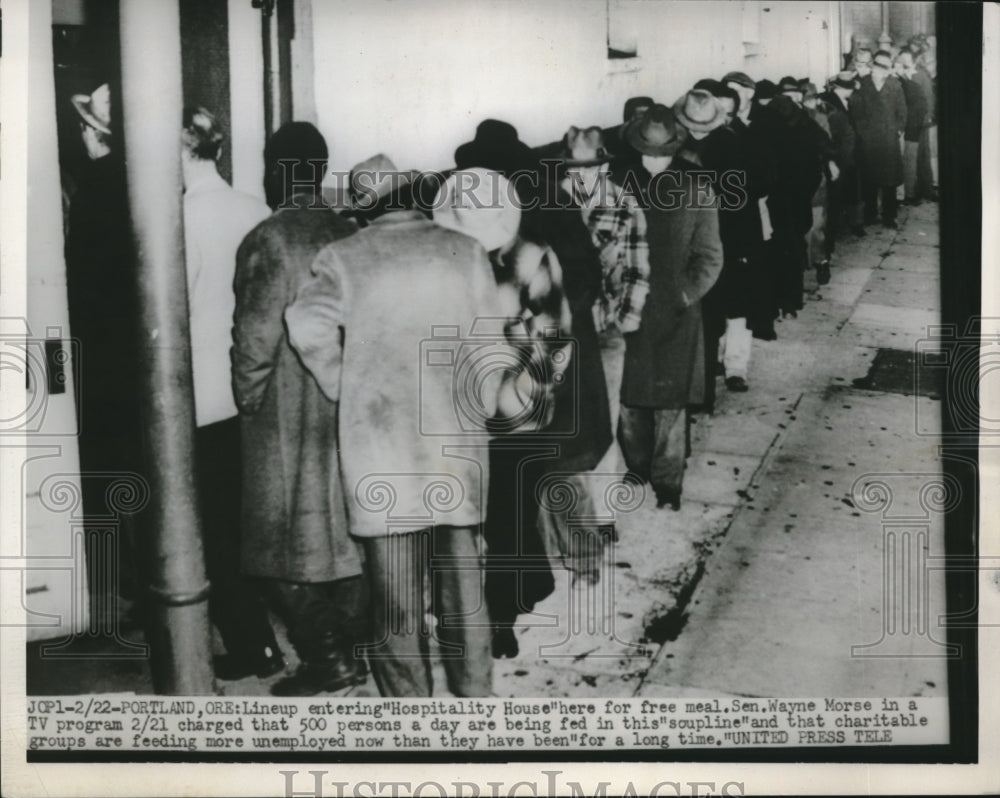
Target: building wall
point(413, 78)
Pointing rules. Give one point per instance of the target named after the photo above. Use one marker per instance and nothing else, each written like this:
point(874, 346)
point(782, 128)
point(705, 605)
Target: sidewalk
point(772, 570)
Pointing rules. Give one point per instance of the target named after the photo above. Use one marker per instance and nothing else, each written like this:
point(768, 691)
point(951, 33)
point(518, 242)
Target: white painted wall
point(246, 70)
point(412, 78)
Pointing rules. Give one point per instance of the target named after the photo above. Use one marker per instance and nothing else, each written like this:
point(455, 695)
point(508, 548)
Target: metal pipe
point(180, 636)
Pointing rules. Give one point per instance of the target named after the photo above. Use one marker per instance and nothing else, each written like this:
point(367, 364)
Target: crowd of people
point(379, 392)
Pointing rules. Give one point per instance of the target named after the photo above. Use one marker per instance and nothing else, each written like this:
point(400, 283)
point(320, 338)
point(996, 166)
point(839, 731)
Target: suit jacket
point(294, 518)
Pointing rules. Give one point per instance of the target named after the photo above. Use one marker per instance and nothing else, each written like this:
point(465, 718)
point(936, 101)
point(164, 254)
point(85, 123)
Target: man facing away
point(386, 325)
point(295, 532)
point(216, 219)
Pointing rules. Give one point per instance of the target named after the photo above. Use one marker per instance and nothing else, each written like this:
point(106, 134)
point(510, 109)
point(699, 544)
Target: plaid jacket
point(618, 229)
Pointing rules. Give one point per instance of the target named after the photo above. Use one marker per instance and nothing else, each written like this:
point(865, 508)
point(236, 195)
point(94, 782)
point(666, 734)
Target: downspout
point(180, 636)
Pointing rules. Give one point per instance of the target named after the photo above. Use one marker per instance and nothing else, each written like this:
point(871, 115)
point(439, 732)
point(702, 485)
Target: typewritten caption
point(133, 723)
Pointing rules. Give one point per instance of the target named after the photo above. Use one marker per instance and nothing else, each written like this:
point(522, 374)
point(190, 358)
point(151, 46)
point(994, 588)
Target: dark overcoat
point(294, 518)
point(879, 117)
point(663, 358)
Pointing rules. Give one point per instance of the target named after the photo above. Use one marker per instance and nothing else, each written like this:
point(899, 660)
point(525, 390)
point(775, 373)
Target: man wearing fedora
point(878, 109)
point(414, 465)
point(100, 281)
point(295, 534)
point(664, 360)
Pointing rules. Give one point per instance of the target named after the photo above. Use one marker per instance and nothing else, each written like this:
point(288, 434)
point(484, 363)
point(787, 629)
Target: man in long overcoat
point(878, 109)
point(294, 519)
point(407, 294)
point(664, 369)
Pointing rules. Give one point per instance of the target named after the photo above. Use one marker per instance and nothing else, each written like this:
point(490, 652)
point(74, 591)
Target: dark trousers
point(235, 603)
point(325, 620)
point(871, 193)
point(446, 563)
point(654, 442)
point(518, 572)
point(843, 206)
point(713, 321)
point(925, 172)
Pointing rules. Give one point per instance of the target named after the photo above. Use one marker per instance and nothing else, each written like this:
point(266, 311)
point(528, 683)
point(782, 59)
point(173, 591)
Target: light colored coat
point(386, 326)
point(216, 220)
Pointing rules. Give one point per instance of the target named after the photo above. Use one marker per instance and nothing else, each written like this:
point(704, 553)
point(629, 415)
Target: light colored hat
point(479, 203)
point(584, 147)
point(698, 111)
point(375, 178)
point(95, 108)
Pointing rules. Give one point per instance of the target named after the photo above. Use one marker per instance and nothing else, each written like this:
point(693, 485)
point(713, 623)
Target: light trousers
point(734, 348)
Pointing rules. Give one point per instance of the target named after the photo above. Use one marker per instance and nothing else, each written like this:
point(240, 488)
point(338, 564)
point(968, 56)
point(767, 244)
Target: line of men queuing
point(347, 479)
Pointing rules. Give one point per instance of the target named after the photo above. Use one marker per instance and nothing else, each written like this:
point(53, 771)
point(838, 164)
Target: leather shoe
point(325, 676)
point(504, 642)
point(737, 385)
point(823, 272)
point(672, 497)
point(859, 231)
point(230, 668)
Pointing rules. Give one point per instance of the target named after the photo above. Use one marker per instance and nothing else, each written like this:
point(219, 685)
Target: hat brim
point(474, 153)
point(81, 103)
point(568, 160)
point(697, 127)
point(632, 135)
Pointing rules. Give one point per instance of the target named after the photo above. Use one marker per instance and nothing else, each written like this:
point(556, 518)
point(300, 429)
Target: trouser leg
point(869, 199)
point(518, 570)
point(463, 629)
point(738, 341)
point(932, 138)
point(399, 651)
point(815, 238)
point(321, 628)
point(910, 169)
point(713, 321)
point(669, 449)
point(889, 204)
point(635, 436)
point(235, 604)
point(925, 173)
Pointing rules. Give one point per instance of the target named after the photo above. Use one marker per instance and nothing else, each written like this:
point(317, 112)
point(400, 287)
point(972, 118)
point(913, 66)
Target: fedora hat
point(845, 79)
point(95, 108)
point(496, 147)
point(635, 106)
point(788, 83)
point(882, 59)
point(377, 177)
point(480, 203)
point(698, 111)
point(739, 78)
point(656, 132)
point(584, 147)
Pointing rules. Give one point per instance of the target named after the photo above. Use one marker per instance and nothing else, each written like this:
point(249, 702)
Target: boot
point(328, 675)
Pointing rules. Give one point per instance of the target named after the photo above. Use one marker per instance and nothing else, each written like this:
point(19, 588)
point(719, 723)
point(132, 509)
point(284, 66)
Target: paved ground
point(770, 579)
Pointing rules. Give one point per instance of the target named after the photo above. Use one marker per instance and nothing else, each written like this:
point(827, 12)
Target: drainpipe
point(180, 636)
point(884, 39)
